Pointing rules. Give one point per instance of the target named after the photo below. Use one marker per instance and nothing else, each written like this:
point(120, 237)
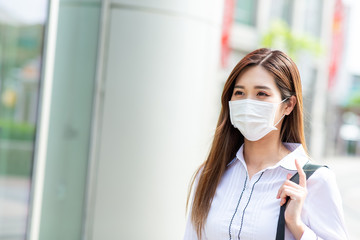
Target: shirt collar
point(288, 162)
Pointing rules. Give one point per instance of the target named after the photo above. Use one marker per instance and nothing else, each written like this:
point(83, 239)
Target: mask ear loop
point(284, 114)
point(279, 120)
point(284, 100)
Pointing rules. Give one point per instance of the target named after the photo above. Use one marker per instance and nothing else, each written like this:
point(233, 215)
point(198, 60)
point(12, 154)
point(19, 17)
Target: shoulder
point(323, 184)
point(322, 176)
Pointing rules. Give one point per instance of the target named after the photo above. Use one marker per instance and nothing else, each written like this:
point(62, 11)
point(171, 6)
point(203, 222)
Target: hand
point(297, 194)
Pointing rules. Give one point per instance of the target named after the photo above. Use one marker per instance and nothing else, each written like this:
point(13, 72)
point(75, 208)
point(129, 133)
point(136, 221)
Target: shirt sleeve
point(323, 208)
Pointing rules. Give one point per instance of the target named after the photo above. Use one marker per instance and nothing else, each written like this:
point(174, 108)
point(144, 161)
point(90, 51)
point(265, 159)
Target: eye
point(238, 93)
point(263, 94)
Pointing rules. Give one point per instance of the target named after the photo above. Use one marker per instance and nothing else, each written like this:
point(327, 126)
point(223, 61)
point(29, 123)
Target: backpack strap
point(309, 169)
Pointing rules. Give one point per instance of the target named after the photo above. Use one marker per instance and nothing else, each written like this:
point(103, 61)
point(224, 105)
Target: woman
point(258, 145)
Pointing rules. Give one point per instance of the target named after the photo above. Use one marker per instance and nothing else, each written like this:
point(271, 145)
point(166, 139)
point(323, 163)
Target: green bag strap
point(309, 169)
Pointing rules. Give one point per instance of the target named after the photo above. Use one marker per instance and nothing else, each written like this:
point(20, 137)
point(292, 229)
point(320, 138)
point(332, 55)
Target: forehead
point(256, 75)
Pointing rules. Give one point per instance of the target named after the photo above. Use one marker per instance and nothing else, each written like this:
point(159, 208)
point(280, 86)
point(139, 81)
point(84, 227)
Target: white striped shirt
point(249, 210)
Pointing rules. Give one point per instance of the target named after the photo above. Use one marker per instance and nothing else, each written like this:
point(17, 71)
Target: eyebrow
point(256, 87)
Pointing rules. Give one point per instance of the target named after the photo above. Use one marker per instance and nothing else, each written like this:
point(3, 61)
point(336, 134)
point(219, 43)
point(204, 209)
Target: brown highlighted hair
point(227, 140)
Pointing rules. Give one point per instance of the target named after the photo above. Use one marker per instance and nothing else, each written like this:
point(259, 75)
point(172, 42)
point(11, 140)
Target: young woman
point(258, 145)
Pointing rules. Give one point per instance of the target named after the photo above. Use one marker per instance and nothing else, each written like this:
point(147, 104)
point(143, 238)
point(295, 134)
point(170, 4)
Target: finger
point(288, 176)
point(291, 193)
point(292, 184)
point(302, 176)
point(283, 190)
point(283, 201)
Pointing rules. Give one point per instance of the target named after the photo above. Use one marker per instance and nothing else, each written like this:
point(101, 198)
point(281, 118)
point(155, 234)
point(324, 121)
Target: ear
point(289, 105)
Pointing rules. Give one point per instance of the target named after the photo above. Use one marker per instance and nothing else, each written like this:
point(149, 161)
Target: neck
point(264, 153)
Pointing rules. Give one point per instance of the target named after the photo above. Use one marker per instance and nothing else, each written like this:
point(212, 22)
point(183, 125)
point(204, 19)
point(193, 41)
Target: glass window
point(356, 82)
point(354, 93)
point(282, 9)
point(313, 16)
point(21, 42)
point(65, 179)
point(245, 12)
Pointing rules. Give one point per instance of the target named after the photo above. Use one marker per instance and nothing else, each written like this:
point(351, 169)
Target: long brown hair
point(227, 140)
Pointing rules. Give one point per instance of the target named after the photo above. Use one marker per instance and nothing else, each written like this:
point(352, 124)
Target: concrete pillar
point(158, 99)
point(318, 113)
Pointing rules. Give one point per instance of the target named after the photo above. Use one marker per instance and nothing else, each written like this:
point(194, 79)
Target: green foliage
point(280, 36)
point(16, 148)
point(354, 100)
point(16, 162)
point(16, 131)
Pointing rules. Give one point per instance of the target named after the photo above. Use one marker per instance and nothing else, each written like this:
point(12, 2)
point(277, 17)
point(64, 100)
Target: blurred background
point(108, 107)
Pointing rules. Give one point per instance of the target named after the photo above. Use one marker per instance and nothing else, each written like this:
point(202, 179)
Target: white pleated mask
point(253, 118)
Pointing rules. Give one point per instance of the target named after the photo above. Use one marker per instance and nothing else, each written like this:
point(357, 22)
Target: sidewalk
point(347, 170)
point(14, 193)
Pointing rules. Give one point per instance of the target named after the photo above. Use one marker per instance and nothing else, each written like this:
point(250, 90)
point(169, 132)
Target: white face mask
point(253, 118)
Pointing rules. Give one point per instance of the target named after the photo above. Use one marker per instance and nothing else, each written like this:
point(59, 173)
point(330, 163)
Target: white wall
point(158, 110)
point(349, 64)
point(353, 37)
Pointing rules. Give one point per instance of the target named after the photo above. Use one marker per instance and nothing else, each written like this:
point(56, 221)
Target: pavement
point(14, 195)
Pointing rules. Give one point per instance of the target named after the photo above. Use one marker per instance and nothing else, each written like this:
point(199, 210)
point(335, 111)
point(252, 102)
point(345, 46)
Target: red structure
point(225, 35)
point(337, 42)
